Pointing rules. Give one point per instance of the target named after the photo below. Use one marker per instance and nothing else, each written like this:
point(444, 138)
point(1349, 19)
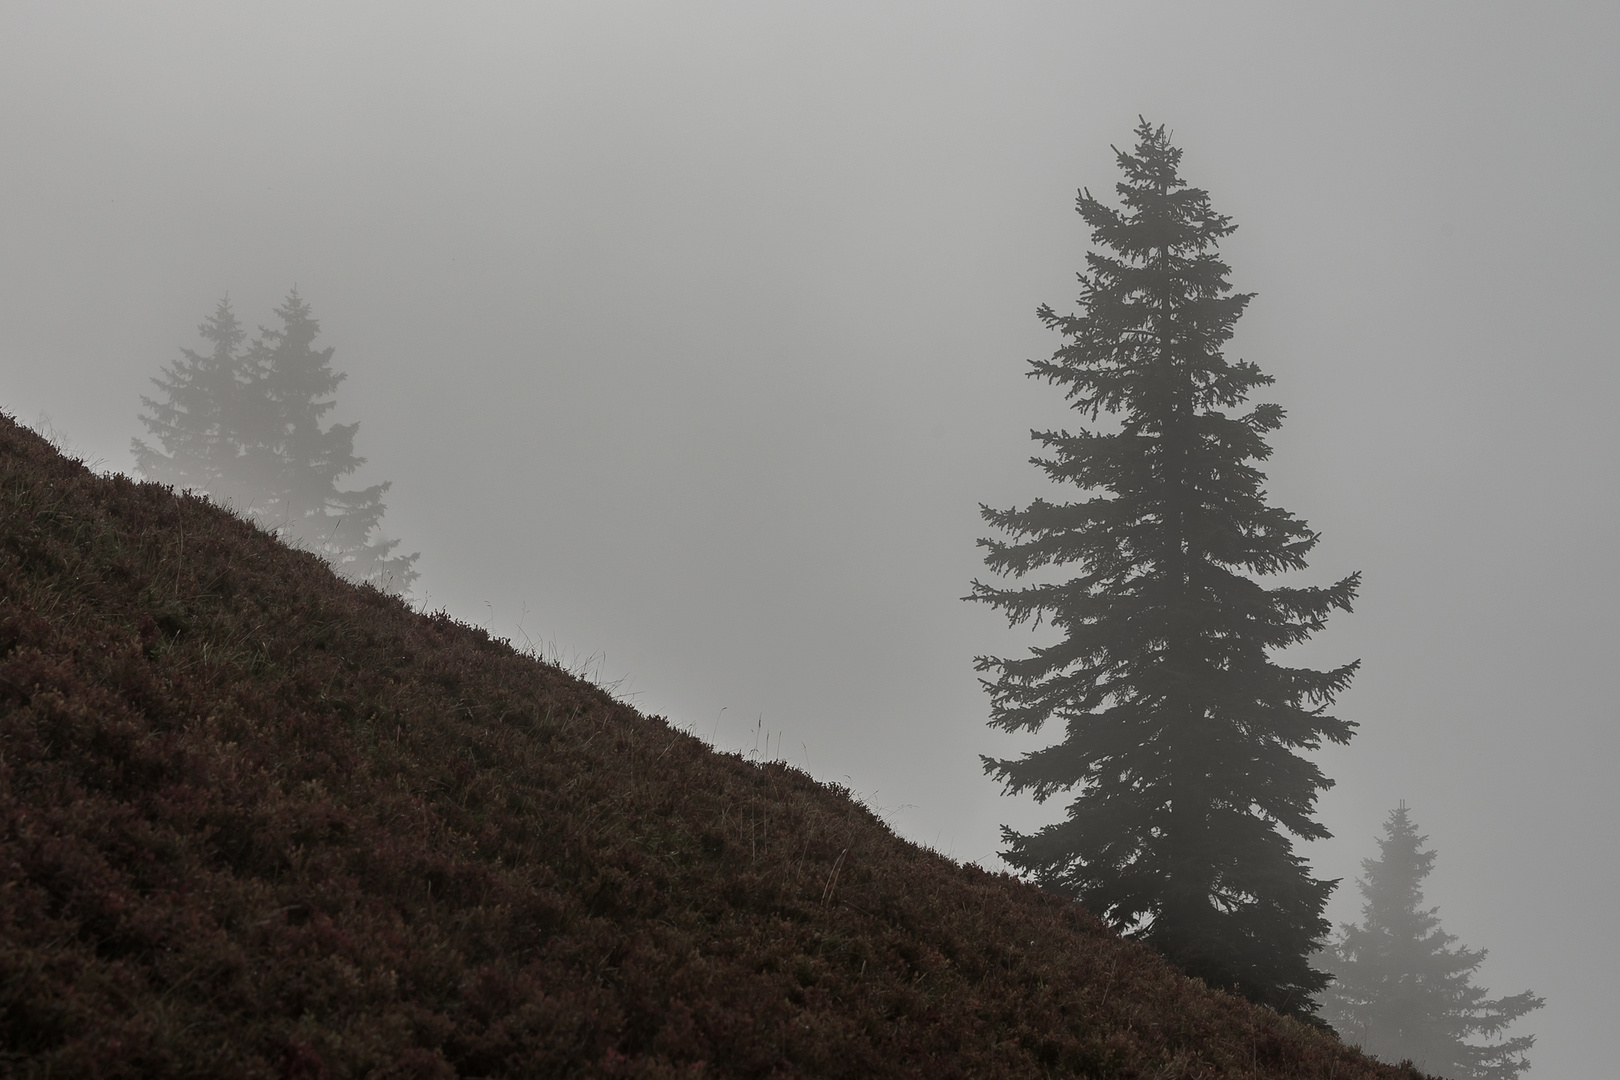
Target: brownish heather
point(257, 822)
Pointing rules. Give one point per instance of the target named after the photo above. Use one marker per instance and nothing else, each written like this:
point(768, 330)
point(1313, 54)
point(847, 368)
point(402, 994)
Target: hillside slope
point(256, 822)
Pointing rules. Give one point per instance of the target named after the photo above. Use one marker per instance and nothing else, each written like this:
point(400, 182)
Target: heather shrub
point(256, 821)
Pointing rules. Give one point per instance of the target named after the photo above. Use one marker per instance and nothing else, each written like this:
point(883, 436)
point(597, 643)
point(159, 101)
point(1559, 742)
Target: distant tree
point(295, 463)
point(196, 420)
point(1403, 990)
point(245, 425)
point(1181, 731)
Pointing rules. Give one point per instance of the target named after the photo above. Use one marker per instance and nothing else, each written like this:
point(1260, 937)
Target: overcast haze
point(691, 336)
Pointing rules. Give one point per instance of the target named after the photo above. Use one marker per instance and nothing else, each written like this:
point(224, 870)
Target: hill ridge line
point(258, 821)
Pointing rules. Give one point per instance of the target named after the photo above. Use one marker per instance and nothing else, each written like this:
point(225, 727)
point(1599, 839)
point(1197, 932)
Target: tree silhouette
point(295, 463)
point(245, 425)
point(1403, 990)
point(197, 419)
point(1180, 730)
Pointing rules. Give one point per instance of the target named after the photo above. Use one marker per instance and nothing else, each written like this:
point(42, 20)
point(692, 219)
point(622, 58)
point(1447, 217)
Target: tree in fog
point(246, 424)
point(295, 462)
point(197, 418)
point(1403, 990)
point(1181, 732)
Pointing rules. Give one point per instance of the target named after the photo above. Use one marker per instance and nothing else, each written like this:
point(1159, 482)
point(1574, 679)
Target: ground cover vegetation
point(244, 423)
point(1182, 733)
point(258, 821)
point(1404, 989)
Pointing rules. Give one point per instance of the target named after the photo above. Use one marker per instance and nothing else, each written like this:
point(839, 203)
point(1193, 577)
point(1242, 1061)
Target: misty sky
point(692, 336)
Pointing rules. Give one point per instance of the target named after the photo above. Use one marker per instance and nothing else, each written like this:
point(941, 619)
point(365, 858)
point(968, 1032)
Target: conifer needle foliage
point(1182, 731)
point(1403, 988)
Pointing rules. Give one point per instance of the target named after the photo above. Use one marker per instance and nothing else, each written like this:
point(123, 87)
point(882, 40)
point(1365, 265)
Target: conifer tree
point(196, 420)
point(293, 463)
point(1403, 990)
point(244, 424)
point(1181, 730)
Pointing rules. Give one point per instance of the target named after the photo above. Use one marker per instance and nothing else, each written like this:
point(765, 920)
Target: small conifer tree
point(295, 463)
point(1403, 989)
point(196, 421)
point(1181, 731)
point(246, 425)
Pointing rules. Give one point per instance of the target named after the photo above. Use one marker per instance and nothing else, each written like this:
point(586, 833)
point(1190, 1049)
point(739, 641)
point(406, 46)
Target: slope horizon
point(259, 821)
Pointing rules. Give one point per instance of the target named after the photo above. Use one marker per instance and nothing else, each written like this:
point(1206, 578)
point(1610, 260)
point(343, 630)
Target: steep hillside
point(256, 822)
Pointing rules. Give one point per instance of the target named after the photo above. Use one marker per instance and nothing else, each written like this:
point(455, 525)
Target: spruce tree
point(293, 463)
point(196, 421)
point(1403, 989)
point(1182, 732)
point(244, 424)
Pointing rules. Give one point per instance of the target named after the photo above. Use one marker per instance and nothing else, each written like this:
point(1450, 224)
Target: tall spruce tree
point(1181, 730)
point(1403, 990)
point(245, 425)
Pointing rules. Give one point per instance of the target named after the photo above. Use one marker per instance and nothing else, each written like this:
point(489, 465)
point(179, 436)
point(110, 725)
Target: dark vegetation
point(1182, 733)
point(256, 821)
point(1404, 989)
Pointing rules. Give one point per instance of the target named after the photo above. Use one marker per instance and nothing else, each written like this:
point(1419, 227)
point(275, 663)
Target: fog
point(692, 336)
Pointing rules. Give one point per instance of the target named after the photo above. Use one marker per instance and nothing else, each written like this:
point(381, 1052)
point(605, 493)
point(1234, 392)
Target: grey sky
point(692, 335)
